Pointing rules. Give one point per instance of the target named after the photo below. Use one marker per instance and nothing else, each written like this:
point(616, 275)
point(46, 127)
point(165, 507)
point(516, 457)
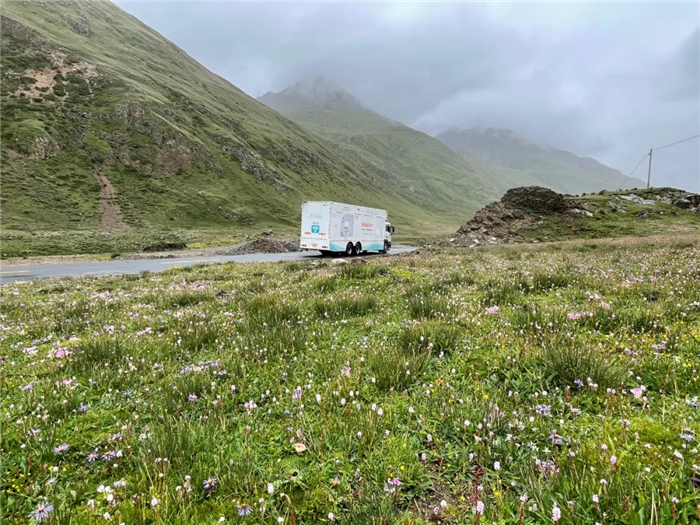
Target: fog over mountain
point(605, 80)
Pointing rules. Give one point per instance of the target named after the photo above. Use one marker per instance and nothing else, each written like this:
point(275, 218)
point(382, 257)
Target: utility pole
point(649, 174)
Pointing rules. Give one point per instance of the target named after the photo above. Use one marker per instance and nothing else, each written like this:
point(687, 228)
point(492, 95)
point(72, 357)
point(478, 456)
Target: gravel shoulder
point(265, 244)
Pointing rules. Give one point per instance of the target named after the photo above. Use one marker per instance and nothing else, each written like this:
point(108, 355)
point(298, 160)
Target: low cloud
point(607, 80)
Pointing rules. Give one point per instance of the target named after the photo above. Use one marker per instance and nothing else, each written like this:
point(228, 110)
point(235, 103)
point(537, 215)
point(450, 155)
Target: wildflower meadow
point(519, 385)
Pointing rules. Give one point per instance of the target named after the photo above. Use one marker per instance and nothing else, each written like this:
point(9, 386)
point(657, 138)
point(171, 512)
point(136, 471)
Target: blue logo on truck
point(315, 228)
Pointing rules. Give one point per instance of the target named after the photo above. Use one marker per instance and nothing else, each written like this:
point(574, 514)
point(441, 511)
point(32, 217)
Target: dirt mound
point(497, 223)
point(164, 246)
point(537, 200)
point(500, 222)
point(267, 245)
point(263, 242)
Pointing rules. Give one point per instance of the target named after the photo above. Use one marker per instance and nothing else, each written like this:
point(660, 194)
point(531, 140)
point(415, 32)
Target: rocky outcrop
point(688, 201)
point(497, 223)
point(44, 147)
point(21, 32)
point(535, 199)
point(228, 215)
point(540, 213)
point(252, 163)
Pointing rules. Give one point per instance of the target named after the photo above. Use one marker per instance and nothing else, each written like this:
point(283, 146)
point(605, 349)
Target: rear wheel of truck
point(358, 249)
point(349, 249)
point(386, 247)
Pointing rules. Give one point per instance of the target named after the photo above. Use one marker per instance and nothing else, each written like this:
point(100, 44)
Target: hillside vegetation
point(107, 126)
point(478, 386)
point(536, 214)
point(556, 169)
point(497, 158)
point(400, 153)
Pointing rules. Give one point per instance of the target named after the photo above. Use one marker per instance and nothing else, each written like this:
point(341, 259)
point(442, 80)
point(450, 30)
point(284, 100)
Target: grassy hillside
point(409, 158)
point(494, 381)
point(108, 126)
point(422, 163)
point(535, 214)
point(637, 213)
point(556, 169)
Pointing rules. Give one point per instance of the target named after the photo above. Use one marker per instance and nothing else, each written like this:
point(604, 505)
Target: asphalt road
point(44, 271)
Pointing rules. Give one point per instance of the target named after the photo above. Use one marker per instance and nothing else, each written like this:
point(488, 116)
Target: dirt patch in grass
point(46, 78)
point(112, 218)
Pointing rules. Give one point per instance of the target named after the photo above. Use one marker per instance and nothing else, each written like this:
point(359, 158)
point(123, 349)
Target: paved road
point(43, 271)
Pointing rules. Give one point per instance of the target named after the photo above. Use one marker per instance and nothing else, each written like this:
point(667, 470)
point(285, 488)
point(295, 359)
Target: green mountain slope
point(106, 125)
point(436, 167)
point(556, 169)
point(407, 157)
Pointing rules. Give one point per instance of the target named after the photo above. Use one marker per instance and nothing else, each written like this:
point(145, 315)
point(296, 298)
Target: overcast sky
point(607, 80)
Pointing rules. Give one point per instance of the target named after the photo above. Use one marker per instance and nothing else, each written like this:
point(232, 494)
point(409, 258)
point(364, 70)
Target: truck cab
point(388, 230)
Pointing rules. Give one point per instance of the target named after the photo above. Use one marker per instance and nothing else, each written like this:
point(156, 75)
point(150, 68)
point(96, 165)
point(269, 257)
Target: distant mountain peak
point(494, 133)
point(314, 84)
point(310, 91)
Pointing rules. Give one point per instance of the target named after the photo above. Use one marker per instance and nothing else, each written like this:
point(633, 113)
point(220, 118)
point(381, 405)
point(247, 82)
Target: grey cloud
point(686, 70)
point(607, 80)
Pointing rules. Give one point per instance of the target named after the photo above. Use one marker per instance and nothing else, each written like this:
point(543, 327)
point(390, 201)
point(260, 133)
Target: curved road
point(44, 271)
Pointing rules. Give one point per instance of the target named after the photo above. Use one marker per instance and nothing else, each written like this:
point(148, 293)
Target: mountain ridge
point(398, 151)
point(361, 134)
point(558, 169)
point(310, 91)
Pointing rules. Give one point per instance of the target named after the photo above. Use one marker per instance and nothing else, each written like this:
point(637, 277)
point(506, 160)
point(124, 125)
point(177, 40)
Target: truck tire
point(386, 247)
point(358, 248)
point(349, 249)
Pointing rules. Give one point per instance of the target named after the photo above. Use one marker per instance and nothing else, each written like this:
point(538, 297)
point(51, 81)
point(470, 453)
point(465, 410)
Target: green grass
point(663, 219)
point(109, 243)
point(180, 382)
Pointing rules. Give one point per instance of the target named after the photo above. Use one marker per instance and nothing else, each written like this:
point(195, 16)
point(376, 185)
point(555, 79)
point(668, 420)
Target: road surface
point(43, 271)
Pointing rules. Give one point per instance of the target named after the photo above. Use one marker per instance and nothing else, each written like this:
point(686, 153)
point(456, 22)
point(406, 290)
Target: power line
point(684, 140)
point(649, 155)
point(632, 172)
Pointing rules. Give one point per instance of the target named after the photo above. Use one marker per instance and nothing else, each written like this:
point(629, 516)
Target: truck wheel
point(349, 249)
point(358, 249)
point(386, 247)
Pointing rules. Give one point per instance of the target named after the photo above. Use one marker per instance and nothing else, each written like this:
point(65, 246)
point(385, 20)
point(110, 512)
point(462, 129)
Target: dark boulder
point(535, 199)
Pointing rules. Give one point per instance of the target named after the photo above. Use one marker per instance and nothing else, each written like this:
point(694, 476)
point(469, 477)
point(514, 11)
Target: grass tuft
point(565, 363)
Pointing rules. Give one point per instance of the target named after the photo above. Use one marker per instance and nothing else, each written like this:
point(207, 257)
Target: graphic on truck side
point(347, 225)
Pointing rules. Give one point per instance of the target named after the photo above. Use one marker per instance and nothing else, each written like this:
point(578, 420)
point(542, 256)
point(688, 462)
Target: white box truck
point(333, 227)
